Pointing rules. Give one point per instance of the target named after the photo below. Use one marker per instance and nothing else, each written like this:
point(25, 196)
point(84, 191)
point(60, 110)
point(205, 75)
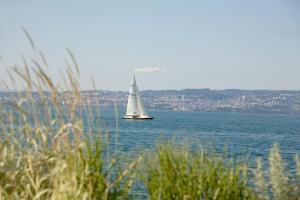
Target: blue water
point(243, 135)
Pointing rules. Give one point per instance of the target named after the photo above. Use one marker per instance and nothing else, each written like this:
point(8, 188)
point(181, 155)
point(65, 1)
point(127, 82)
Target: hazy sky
point(248, 44)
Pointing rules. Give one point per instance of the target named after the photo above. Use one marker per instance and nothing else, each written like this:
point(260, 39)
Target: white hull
point(137, 117)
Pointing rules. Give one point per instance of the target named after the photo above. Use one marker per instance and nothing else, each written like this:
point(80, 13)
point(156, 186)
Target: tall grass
point(179, 174)
point(52, 148)
point(276, 182)
point(45, 151)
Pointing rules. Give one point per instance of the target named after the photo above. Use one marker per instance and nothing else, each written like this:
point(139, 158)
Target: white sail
point(135, 108)
point(132, 107)
point(140, 104)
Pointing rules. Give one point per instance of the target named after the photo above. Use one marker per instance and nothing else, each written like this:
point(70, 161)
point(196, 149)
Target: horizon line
point(106, 90)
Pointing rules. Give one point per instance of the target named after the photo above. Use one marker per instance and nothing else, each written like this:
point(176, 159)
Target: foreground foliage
point(178, 174)
point(76, 173)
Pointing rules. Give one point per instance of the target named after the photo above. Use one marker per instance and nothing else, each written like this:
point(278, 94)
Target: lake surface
point(245, 135)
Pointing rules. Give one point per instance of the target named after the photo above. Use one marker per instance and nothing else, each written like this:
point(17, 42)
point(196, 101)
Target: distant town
point(232, 100)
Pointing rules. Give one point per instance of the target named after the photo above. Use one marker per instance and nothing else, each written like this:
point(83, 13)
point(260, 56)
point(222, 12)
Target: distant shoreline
point(205, 100)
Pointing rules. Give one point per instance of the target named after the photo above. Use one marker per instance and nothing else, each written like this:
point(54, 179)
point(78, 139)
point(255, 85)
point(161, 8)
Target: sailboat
point(135, 109)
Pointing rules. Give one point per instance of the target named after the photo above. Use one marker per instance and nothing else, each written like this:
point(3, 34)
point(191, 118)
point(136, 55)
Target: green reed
point(176, 173)
point(44, 151)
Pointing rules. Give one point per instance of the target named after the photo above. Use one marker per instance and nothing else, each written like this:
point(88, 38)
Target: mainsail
point(132, 105)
